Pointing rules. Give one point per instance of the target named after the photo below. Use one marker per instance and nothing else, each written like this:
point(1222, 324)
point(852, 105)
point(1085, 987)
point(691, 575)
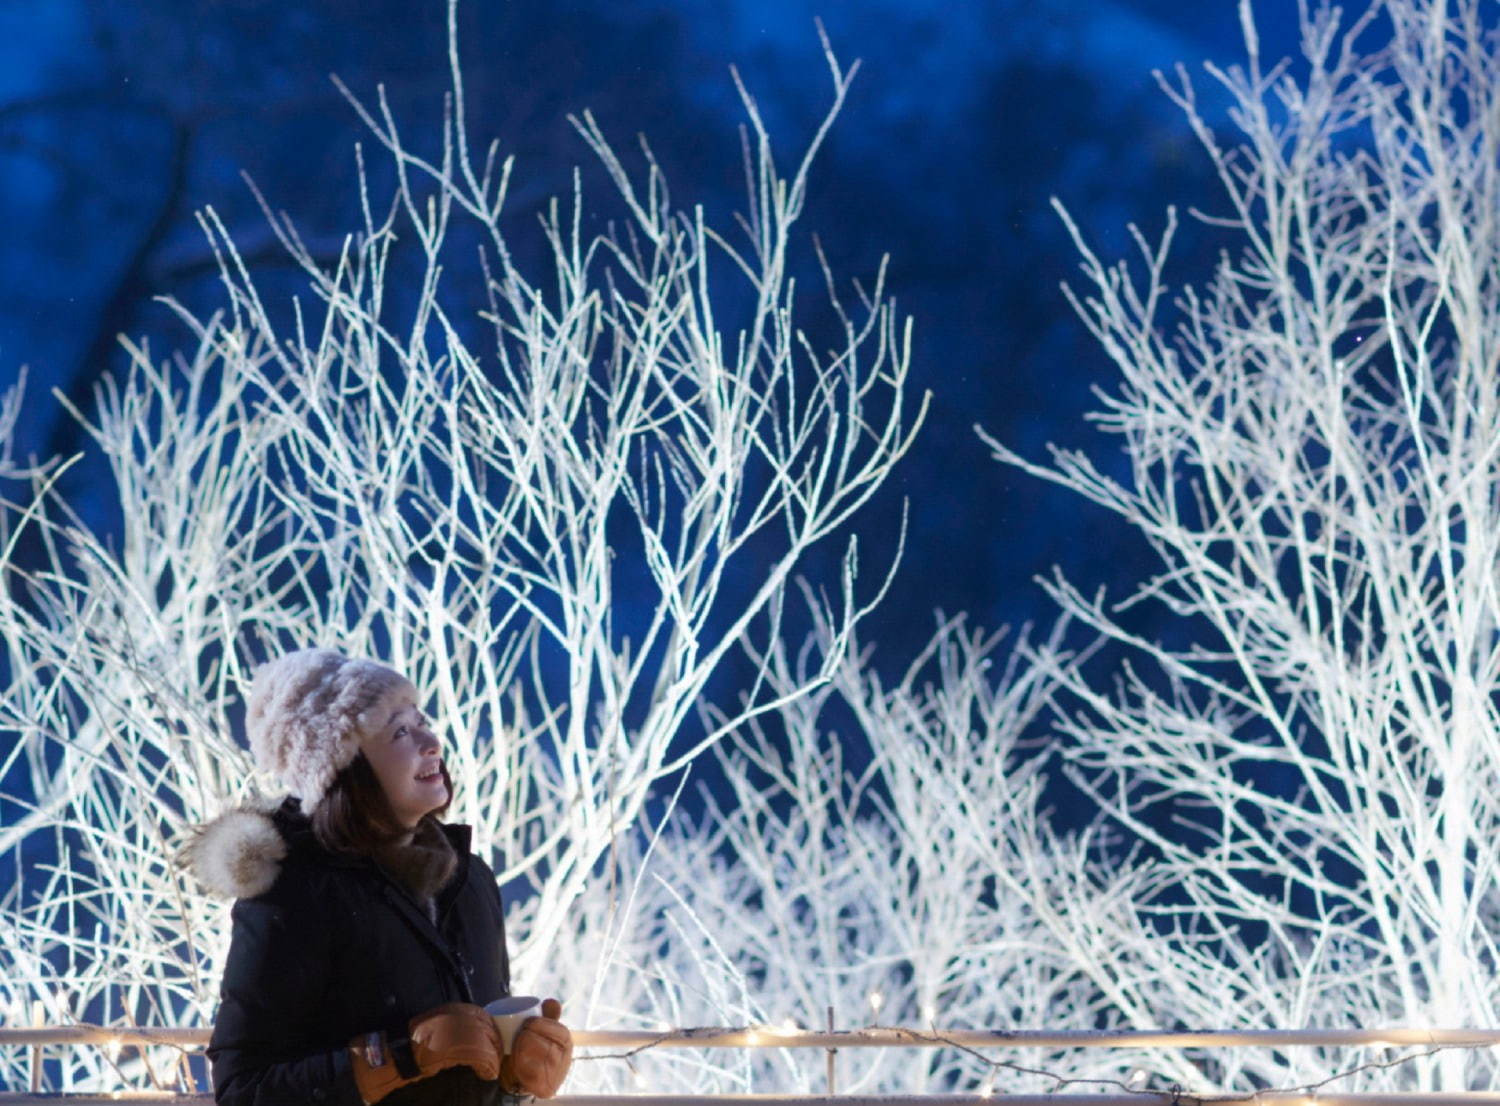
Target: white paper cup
point(511, 1013)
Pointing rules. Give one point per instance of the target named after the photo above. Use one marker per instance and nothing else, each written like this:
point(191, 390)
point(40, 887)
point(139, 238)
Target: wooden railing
point(193, 1040)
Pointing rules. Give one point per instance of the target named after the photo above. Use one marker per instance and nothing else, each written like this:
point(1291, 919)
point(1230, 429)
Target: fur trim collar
point(424, 865)
point(239, 854)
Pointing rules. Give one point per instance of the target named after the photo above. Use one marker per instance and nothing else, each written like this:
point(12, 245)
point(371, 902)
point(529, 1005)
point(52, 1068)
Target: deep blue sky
point(115, 125)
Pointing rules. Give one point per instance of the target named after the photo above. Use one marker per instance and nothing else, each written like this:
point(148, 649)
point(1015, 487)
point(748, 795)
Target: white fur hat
point(305, 713)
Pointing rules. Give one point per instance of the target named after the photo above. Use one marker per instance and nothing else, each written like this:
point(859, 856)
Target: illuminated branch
point(1314, 447)
point(559, 520)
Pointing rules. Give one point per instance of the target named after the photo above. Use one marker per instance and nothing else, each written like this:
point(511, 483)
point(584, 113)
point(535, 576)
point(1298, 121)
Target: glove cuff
point(404, 1059)
point(380, 1065)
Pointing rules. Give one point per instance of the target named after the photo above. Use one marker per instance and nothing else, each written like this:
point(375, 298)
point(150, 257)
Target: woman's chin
point(434, 793)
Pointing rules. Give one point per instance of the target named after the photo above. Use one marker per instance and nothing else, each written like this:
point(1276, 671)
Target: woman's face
point(403, 750)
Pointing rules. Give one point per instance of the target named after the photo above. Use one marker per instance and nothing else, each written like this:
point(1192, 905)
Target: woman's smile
point(406, 755)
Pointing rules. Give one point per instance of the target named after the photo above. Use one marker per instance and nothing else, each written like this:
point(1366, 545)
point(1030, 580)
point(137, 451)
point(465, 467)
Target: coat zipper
point(453, 959)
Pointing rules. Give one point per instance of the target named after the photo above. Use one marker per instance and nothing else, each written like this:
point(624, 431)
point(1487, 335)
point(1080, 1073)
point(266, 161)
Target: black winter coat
point(336, 948)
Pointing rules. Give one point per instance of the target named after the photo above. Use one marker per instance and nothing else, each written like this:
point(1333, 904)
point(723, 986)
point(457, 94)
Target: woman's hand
point(448, 1036)
point(540, 1055)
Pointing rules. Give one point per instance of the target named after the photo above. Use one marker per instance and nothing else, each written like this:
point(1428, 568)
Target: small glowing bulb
point(929, 1013)
point(987, 1088)
point(112, 1049)
point(752, 1037)
point(637, 1080)
point(877, 1000)
point(663, 1027)
point(1137, 1079)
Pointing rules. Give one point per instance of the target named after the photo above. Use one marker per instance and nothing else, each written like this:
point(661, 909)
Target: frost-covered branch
point(895, 889)
point(1314, 441)
point(558, 519)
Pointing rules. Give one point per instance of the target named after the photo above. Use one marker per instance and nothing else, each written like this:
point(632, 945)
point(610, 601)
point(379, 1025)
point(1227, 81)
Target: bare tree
point(1313, 439)
point(898, 892)
point(482, 514)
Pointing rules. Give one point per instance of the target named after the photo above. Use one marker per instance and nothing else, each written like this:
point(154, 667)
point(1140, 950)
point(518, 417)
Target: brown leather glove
point(447, 1036)
point(540, 1055)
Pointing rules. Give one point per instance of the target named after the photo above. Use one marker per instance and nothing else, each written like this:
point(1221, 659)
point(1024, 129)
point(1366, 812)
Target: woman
point(367, 937)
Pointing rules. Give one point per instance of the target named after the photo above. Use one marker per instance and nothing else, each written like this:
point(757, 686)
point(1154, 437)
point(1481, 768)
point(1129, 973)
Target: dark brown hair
point(354, 815)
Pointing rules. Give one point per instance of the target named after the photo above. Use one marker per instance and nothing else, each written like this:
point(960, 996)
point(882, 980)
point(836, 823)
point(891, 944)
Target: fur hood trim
point(238, 855)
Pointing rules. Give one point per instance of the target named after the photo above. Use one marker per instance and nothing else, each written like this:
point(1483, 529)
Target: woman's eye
point(401, 731)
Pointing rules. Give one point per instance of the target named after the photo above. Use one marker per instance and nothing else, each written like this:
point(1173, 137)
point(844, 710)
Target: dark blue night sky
point(117, 122)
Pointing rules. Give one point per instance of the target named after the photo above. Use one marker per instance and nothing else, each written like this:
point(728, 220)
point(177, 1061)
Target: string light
point(877, 1000)
point(1135, 1083)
